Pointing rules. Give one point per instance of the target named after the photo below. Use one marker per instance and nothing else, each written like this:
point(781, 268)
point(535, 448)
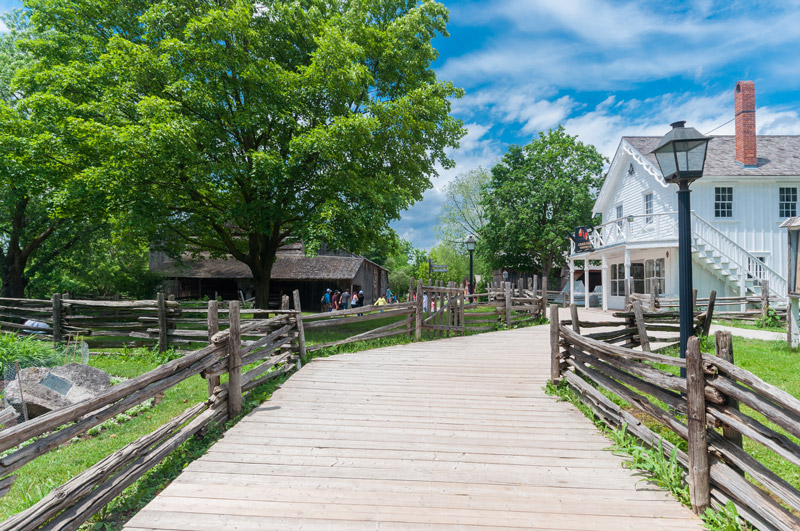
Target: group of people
point(338, 300)
point(334, 300)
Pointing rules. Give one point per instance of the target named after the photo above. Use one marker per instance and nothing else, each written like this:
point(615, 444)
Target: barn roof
point(288, 266)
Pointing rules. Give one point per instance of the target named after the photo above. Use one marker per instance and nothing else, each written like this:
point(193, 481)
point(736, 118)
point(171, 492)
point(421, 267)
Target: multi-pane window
point(648, 207)
point(614, 290)
point(618, 280)
point(619, 216)
point(654, 272)
point(787, 202)
point(723, 202)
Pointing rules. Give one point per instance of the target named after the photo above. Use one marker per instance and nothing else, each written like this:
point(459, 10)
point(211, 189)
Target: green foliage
point(537, 195)
point(39, 218)
point(725, 519)
point(463, 212)
point(27, 351)
point(110, 263)
point(229, 126)
point(667, 473)
point(771, 320)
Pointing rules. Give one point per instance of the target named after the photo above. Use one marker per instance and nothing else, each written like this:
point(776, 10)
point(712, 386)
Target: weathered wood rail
point(275, 348)
point(703, 409)
point(740, 308)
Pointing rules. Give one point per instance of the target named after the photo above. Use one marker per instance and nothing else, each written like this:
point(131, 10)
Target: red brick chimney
point(746, 124)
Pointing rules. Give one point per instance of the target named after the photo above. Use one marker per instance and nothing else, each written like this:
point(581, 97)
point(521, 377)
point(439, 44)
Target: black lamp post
point(681, 155)
point(470, 243)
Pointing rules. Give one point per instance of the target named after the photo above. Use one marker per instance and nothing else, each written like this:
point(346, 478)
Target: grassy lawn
point(750, 325)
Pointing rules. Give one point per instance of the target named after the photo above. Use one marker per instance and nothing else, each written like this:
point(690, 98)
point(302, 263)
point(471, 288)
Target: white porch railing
point(638, 229)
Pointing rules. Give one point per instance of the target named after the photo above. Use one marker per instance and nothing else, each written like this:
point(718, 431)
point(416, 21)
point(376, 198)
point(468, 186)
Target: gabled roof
point(778, 156)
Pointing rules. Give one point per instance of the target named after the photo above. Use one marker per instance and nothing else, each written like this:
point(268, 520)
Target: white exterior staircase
point(726, 259)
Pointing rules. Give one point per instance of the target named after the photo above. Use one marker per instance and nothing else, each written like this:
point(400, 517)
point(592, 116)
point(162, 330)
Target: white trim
point(614, 174)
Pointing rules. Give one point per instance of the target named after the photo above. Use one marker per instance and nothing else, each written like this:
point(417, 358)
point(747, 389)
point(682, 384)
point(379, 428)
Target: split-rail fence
point(702, 408)
point(268, 347)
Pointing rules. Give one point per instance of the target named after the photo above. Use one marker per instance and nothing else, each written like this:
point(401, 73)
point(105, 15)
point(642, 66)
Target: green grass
point(750, 325)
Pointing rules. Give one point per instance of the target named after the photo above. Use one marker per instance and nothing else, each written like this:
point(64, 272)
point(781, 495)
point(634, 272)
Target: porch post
point(627, 277)
point(571, 281)
point(604, 280)
point(586, 283)
point(743, 289)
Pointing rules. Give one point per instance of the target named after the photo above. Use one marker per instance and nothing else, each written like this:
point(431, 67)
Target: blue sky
point(604, 69)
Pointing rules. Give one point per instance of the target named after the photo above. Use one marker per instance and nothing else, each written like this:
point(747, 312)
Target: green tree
point(537, 195)
point(43, 208)
point(463, 212)
point(231, 126)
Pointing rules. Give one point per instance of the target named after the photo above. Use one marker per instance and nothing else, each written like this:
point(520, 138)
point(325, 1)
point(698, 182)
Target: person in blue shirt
point(326, 301)
point(389, 296)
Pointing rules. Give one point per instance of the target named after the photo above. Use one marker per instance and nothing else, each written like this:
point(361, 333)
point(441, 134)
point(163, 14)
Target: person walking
point(336, 300)
point(326, 301)
point(345, 300)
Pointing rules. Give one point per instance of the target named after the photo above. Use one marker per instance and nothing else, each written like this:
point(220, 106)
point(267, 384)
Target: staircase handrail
point(776, 280)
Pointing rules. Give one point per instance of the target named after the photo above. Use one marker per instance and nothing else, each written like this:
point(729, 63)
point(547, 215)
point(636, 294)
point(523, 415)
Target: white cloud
point(604, 45)
point(476, 149)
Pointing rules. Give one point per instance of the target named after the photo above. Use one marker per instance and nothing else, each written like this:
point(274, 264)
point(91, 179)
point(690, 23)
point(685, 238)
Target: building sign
point(582, 242)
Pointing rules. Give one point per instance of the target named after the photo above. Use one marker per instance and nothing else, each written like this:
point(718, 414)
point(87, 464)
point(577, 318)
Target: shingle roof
point(287, 267)
point(777, 155)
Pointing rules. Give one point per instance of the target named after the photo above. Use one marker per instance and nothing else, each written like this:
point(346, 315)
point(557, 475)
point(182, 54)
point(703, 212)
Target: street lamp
point(681, 155)
point(470, 243)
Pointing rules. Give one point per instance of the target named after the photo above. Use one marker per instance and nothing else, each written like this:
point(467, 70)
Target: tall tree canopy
point(39, 218)
point(463, 213)
point(537, 195)
point(230, 126)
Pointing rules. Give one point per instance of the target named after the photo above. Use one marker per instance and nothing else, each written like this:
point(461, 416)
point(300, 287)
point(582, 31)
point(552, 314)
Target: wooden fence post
point(57, 308)
point(419, 312)
point(764, 301)
point(573, 312)
point(507, 288)
point(712, 299)
point(234, 360)
point(301, 334)
point(699, 489)
point(555, 348)
point(213, 328)
point(724, 350)
point(639, 316)
point(161, 303)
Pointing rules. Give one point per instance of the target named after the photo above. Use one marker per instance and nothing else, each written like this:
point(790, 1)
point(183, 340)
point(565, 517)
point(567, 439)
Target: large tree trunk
point(263, 249)
point(11, 275)
point(261, 281)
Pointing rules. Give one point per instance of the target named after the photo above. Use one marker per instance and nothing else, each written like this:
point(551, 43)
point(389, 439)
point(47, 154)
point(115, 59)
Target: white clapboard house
point(750, 185)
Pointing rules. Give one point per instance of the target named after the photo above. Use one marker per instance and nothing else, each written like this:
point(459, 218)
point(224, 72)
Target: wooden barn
point(193, 278)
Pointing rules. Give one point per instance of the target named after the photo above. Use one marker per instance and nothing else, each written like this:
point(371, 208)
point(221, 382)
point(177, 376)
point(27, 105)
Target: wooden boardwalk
point(452, 434)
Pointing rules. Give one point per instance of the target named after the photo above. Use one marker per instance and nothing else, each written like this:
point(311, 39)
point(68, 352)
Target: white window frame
point(620, 213)
point(649, 219)
point(727, 205)
point(787, 208)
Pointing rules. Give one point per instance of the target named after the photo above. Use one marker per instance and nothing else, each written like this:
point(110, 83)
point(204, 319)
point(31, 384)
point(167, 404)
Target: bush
point(27, 351)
